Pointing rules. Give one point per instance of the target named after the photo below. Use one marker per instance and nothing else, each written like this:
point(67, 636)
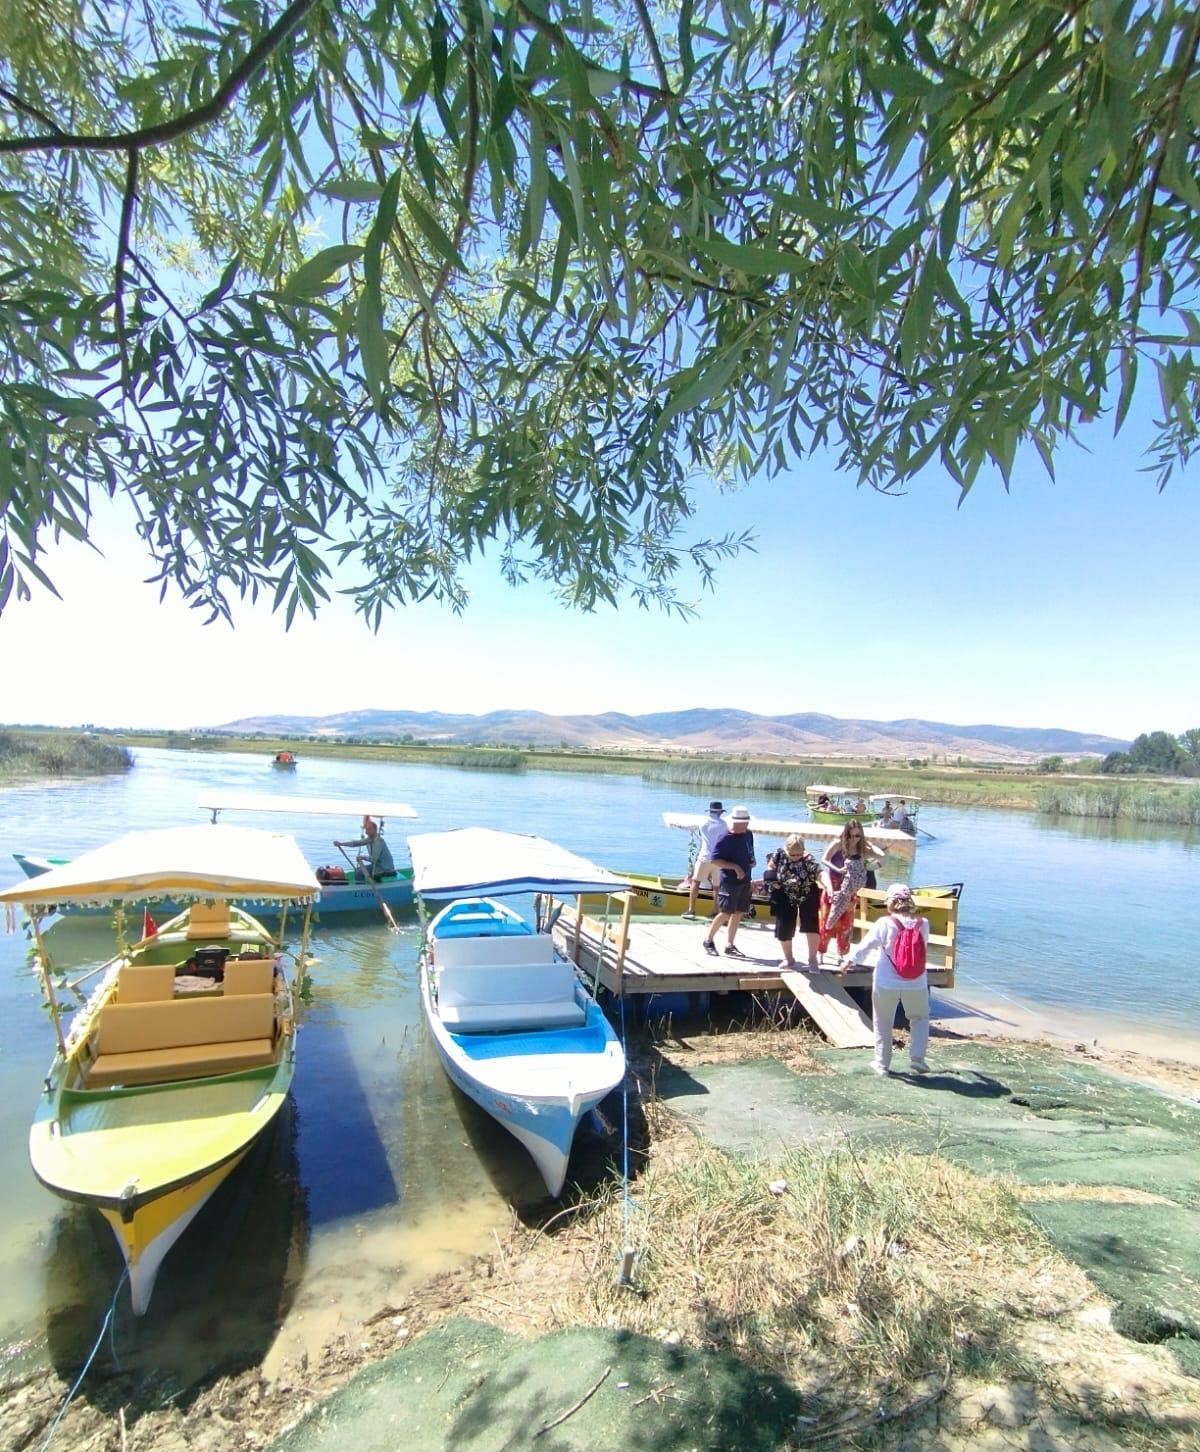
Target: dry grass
point(843, 1266)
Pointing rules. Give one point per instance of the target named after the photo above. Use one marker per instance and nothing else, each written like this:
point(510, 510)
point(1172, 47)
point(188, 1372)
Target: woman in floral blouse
point(794, 879)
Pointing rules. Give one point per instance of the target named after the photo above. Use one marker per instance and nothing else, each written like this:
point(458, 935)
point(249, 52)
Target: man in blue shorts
point(733, 855)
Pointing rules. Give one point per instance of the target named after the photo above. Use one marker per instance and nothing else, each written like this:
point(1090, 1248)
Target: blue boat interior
point(589, 1038)
point(477, 918)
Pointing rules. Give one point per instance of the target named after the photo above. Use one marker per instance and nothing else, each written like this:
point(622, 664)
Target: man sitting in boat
point(376, 862)
point(901, 820)
point(885, 817)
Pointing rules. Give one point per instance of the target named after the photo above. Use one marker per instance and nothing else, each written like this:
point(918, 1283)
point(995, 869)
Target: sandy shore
point(976, 1013)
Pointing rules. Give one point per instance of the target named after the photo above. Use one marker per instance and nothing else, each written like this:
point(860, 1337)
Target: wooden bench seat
point(192, 1061)
point(184, 1038)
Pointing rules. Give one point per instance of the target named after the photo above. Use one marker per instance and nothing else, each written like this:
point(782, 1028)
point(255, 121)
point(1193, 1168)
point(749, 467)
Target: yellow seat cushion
point(249, 975)
point(126, 1028)
point(146, 983)
point(208, 920)
point(162, 1066)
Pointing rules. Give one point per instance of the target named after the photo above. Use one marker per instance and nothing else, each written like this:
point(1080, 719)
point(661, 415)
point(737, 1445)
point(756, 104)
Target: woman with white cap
point(898, 941)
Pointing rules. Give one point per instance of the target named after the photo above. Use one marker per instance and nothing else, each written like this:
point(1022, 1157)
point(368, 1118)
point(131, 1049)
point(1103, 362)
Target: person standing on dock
point(733, 855)
point(848, 859)
point(703, 869)
point(794, 879)
point(899, 978)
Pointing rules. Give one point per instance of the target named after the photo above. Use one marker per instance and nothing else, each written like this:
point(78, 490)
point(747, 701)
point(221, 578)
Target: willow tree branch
point(652, 42)
point(1188, 51)
point(201, 115)
point(469, 171)
point(127, 205)
point(27, 109)
point(559, 39)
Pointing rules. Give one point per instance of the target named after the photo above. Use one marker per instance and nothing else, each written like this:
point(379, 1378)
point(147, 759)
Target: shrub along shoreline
point(24, 756)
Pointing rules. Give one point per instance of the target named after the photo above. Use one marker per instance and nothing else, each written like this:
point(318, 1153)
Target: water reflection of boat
point(184, 1052)
point(513, 1026)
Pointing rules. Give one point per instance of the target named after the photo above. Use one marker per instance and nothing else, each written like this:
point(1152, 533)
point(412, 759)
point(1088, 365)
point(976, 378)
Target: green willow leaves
point(377, 286)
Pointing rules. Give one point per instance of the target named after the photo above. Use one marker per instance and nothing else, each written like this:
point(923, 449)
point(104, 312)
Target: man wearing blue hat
point(711, 832)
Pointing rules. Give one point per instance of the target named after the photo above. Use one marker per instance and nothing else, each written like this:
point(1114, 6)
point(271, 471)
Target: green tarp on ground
point(1040, 1117)
point(465, 1387)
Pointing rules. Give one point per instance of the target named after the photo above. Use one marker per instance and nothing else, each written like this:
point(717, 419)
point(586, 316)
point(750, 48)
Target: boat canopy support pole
point(302, 955)
point(48, 985)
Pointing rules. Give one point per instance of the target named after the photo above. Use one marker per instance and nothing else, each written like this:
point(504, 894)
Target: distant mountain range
point(720, 732)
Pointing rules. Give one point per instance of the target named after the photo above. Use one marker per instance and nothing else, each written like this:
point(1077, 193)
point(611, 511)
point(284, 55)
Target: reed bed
point(59, 756)
point(1179, 804)
point(484, 760)
point(743, 775)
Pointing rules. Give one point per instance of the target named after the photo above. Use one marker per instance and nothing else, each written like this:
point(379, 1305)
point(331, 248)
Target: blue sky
point(1069, 604)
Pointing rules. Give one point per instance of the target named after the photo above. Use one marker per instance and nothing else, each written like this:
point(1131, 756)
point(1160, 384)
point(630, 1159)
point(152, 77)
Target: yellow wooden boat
point(185, 1050)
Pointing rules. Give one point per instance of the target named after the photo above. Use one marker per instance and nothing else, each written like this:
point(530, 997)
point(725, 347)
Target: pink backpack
point(908, 951)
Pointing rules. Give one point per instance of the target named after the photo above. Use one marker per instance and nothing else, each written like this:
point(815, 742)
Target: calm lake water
point(379, 1175)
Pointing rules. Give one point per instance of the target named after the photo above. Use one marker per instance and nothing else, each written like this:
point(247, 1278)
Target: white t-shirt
point(711, 833)
point(880, 940)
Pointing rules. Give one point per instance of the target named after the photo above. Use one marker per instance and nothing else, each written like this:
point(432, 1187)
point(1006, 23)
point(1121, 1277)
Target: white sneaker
point(919, 1066)
point(883, 1070)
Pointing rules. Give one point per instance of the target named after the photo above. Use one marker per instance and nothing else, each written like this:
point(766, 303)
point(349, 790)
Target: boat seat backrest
point(127, 1028)
point(543, 983)
point(208, 920)
point(146, 983)
point(249, 975)
point(502, 950)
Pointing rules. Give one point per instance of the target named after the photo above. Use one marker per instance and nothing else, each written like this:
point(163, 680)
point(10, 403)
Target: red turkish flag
point(149, 926)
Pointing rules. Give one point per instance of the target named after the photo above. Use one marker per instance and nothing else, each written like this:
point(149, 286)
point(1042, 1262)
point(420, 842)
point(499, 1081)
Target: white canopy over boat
point(278, 802)
point(829, 791)
point(898, 842)
point(176, 862)
point(906, 797)
point(477, 861)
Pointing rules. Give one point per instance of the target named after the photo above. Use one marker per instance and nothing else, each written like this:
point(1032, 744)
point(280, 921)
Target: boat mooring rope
point(628, 1254)
point(105, 1326)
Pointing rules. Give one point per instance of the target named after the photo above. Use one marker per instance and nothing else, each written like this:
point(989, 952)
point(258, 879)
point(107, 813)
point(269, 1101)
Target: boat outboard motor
point(210, 962)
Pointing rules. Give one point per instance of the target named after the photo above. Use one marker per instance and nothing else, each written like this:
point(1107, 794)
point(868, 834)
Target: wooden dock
point(636, 955)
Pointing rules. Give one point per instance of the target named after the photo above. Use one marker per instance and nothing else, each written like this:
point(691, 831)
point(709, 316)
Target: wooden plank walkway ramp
point(831, 1008)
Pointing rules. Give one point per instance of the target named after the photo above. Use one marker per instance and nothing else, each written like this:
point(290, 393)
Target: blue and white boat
point(342, 890)
point(514, 1027)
